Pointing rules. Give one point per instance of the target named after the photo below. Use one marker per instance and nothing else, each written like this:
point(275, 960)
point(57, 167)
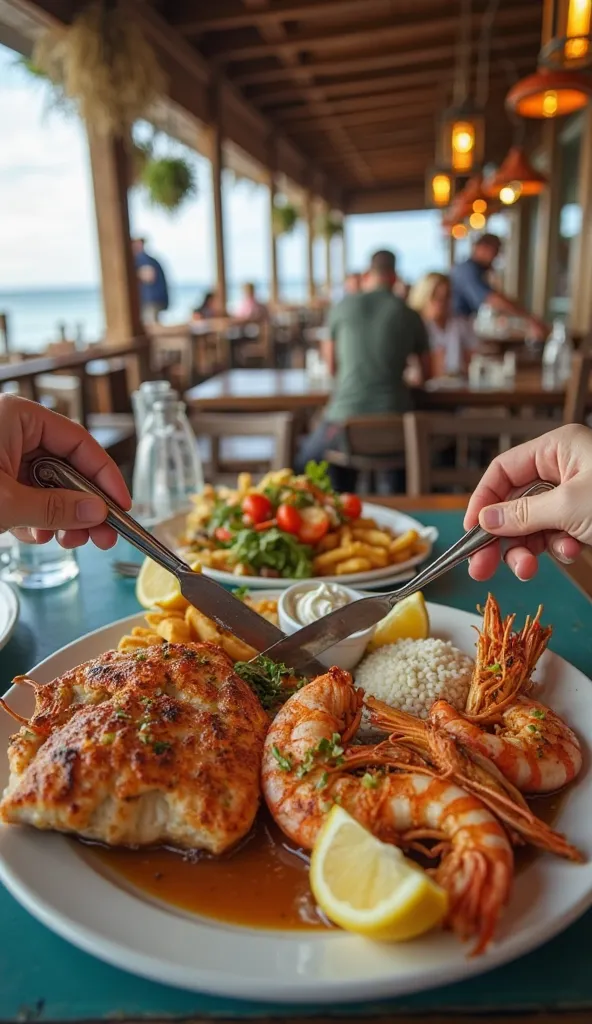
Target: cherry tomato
point(351, 506)
point(222, 534)
point(315, 524)
point(289, 519)
point(257, 507)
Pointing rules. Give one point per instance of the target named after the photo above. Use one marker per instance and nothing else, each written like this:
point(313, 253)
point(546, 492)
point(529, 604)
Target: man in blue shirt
point(471, 286)
point(154, 293)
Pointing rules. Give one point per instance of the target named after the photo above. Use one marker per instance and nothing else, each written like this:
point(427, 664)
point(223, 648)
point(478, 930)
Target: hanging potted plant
point(104, 64)
point(168, 181)
point(285, 217)
point(329, 224)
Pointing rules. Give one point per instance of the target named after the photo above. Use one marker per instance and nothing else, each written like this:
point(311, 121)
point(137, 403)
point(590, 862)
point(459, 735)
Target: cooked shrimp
point(306, 767)
point(473, 771)
point(532, 746)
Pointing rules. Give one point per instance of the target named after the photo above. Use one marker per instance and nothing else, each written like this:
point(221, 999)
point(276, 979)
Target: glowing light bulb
point(477, 221)
point(479, 206)
point(463, 145)
point(459, 231)
point(441, 186)
point(550, 103)
point(510, 193)
point(579, 18)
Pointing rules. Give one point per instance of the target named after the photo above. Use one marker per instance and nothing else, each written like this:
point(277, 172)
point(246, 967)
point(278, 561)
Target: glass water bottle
point(168, 466)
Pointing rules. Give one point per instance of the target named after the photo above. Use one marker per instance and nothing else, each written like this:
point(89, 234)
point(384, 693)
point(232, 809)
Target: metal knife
point(316, 638)
point(204, 593)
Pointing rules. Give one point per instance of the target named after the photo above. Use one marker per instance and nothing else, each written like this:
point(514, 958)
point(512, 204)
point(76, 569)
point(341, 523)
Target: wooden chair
point(230, 444)
point(371, 445)
point(578, 387)
point(425, 431)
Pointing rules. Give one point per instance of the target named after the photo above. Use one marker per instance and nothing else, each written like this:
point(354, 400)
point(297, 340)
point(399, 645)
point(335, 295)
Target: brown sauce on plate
point(261, 884)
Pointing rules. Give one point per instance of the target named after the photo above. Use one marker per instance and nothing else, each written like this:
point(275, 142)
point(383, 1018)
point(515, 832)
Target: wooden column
point(548, 223)
point(217, 168)
point(344, 268)
point(110, 175)
point(517, 251)
point(328, 267)
point(275, 291)
point(309, 213)
point(580, 320)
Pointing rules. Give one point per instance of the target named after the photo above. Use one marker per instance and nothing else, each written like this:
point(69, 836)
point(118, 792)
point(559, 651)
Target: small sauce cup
point(346, 653)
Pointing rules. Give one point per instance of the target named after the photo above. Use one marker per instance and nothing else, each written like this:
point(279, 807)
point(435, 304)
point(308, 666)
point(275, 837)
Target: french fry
point(353, 565)
point(219, 559)
point(402, 556)
point(235, 648)
point(154, 619)
point(363, 524)
point(244, 484)
point(329, 542)
point(242, 569)
point(378, 538)
point(202, 627)
point(322, 563)
point(346, 536)
point(127, 644)
point(175, 631)
point(406, 540)
point(377, 556)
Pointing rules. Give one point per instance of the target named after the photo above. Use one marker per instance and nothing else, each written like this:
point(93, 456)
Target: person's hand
point(33, 514)
point(559, 520)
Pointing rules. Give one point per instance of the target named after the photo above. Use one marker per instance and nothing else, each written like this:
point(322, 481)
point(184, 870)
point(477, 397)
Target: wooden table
point(289, 390)
point(257, 391)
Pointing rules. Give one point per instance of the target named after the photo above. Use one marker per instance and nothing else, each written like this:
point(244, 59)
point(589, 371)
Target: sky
point(47, 220)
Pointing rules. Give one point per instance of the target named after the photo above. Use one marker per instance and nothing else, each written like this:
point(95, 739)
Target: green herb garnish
point(108, 738)
point(317, 473)
point(285, 763)
point(120, 713)
point(494, 668)
point(537, 713)
point(369, 781)
point(323, 781)
point(267, 680)
point(160, 746)
point(141, 656)
point(273, 549)
point(241, 592)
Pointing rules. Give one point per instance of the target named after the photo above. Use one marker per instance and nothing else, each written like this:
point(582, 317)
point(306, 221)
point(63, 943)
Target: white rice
point(412, 674)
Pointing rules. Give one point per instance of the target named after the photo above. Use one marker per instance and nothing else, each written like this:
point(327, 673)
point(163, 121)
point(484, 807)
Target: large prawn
point(529, 743)
point(307, 767)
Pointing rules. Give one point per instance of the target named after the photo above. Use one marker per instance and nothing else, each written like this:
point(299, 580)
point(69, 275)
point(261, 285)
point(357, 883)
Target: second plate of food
point(390, 522)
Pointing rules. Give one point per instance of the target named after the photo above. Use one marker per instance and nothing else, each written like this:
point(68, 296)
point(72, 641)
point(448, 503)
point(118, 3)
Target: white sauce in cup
point(313, 604)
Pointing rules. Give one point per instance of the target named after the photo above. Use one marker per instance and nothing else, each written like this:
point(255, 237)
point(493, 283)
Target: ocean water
point(35, 315)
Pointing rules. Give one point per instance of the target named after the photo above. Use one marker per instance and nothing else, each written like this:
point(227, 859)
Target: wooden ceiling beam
point(366, 119)
point(383, 105)
point(233, 15)
point(378, 61)
point(406, 196)
point(377, 85)
point(358, 35)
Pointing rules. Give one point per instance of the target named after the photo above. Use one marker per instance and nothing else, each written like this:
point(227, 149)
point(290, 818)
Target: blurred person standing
point(154, 293)
point(250, 308)
point(352, 284)
point(472, 286)
point(375, 335)
point(451, 338)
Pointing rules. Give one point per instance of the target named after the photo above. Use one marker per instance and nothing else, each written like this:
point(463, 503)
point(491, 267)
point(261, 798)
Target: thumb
point(523, 516)
point(50, 509)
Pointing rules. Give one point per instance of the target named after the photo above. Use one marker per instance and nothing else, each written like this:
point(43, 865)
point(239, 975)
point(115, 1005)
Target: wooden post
point(110, 175)
point(451, 250)
point(217, 168)
point(344, 268)
point(517, 251)
point(275, 291)
point(580, 321)
point(328, 268)
point(548, 223)
point(308, 206)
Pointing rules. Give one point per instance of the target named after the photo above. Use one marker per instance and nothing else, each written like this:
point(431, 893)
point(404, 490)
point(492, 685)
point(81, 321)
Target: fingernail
point(492, 517)
point(558, 549)
point(90, 511)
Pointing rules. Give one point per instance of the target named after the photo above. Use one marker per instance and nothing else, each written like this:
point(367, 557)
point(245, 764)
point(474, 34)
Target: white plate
point(169, 531)
point(9, 609)
point(50, 879)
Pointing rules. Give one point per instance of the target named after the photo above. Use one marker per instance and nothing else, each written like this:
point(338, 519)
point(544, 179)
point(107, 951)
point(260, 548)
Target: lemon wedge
point(157, 586)
point(408, 620)
point(370, 887)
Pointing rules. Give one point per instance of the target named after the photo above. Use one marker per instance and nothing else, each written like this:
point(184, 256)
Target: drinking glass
point(142, 400)
point(40, 566)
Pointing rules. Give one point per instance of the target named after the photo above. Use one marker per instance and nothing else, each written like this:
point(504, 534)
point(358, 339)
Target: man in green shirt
point(374, 336)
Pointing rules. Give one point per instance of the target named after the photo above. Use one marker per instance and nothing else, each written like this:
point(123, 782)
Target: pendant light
point(461, 135)
point(438, 188)
point(515, 177)
point(559, 86)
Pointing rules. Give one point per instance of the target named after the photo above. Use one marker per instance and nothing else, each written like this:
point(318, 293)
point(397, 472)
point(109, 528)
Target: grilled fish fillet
point(158, 746)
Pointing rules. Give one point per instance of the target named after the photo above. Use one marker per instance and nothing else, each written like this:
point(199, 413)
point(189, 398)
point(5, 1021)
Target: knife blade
point(212, 599)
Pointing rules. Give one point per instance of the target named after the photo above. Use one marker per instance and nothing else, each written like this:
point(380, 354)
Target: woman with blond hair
point(451, 338)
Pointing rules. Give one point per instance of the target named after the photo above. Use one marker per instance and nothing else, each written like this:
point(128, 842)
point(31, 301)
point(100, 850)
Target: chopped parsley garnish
point(532, 728)
point(537, 713)
point(267, 680)
point(323, 780)
point(369, 781)
point(145, 738)
point(285, 763)
point(108, 738)
point(161, 746)
point(495, 667)
point(328, 752)
point(141, 655)
point(241, 592)
point(120, 713)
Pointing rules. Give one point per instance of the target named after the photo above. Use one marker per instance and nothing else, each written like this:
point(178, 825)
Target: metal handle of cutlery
point(52, 472)
point(469, 544)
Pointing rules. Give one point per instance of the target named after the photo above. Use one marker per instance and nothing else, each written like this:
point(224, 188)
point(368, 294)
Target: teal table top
point(42, 977)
